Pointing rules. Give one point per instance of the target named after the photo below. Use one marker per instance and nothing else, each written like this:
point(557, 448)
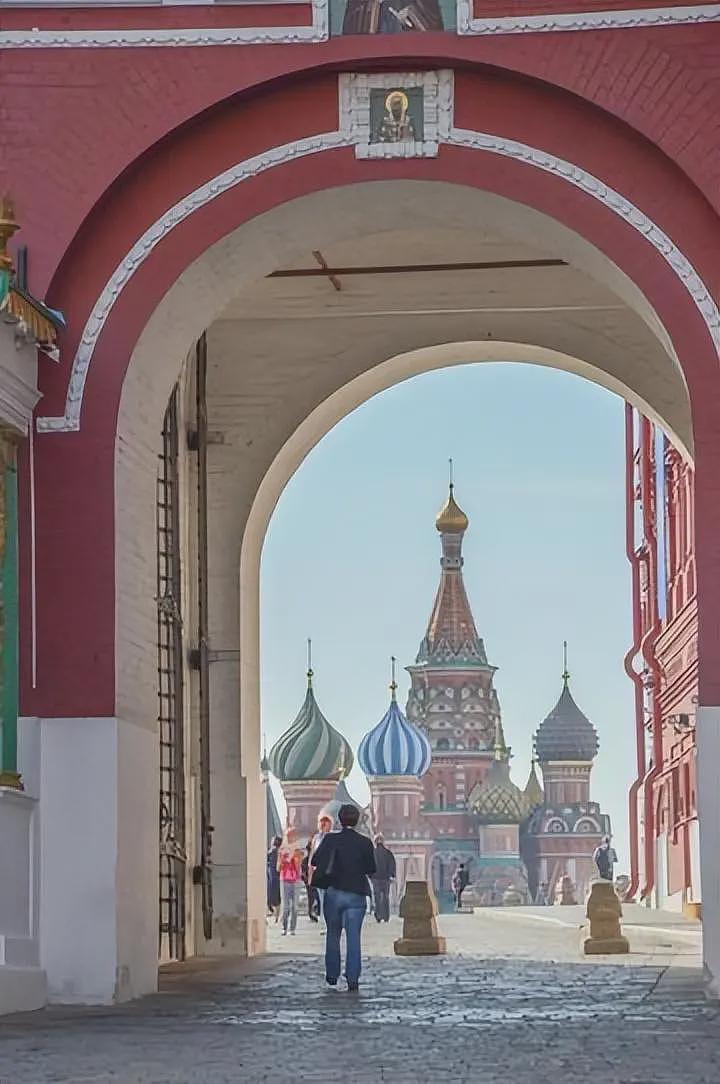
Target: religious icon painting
point(391, 16)
point(402, 115)
point(396, 116)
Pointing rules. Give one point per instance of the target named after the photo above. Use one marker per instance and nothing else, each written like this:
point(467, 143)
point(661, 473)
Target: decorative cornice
point(631, 18)
point(467, 24)
point(158, 36)
point(490, 143)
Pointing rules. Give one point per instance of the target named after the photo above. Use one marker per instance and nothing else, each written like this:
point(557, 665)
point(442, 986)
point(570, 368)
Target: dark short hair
point(348, 815)
point(277, 842)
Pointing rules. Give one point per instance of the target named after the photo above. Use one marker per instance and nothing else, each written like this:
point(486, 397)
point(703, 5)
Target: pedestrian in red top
point(290, 870)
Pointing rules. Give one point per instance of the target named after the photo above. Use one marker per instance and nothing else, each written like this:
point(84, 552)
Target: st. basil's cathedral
point(441, 792)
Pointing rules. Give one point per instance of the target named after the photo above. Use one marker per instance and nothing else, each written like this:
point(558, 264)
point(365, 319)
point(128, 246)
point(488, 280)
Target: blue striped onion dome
point(395, 746)
point(311, 749)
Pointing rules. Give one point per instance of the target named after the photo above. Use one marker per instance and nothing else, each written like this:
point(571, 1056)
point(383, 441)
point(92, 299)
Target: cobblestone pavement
point(513, 1001)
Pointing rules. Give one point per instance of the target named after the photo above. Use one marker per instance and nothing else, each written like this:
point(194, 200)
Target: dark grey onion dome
point(566, 734)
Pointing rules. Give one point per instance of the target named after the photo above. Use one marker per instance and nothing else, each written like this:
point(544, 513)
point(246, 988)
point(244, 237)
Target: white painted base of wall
point(97, 781)
point(22, 989)
point(23, 984)
point(674, 902)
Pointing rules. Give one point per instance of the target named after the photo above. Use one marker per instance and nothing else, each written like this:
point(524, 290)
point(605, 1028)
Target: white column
point(708, 766)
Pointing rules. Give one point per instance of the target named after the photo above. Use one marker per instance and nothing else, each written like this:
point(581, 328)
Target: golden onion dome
point(451, 519)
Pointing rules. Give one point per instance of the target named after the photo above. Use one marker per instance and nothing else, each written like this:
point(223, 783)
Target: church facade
point(439, 773)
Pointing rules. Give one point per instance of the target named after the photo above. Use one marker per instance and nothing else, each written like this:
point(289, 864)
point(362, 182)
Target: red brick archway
point(74, 471)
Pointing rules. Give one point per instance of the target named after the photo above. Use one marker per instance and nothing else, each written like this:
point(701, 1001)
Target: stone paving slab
point(468, 1016)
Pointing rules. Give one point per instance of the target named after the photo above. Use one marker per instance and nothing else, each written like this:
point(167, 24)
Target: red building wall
point(661, 548)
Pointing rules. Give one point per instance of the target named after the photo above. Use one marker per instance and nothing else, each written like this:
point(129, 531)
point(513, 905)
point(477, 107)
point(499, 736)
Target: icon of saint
point(396, 125)
point(391, 16)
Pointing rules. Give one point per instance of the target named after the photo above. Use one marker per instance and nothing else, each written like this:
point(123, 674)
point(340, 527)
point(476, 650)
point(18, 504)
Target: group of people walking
point(289, 868)
point(341, 871)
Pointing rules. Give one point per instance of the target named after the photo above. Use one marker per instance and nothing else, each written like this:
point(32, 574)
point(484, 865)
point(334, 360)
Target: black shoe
point(353, 987)
point(331, 982)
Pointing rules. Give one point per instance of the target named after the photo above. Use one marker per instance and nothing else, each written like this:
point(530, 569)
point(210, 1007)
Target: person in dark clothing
point(460, 881)
point(313, 900)
point(605, 858)
point(384, 873)
point(273, 879)
point(342, 864)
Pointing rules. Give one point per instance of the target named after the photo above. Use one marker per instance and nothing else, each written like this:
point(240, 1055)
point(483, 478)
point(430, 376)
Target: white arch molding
point(538, 158)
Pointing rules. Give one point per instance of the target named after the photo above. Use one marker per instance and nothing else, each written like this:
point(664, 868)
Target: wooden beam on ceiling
point(334, 273)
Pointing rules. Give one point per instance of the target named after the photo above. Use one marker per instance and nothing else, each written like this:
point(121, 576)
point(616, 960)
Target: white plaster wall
point(708, 759)
point(78, 786)
point(23, 984)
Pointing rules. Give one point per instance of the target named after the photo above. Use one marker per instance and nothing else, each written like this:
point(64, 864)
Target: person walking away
point(385, 872)
point(460, 881)
point(541, 898)
point(605, 858)
point(290, 870)
point(325, 825)
point(273, 878)
point(342, 864)
point(312, 893)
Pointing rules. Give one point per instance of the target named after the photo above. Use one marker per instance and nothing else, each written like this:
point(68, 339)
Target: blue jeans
point(343, 911)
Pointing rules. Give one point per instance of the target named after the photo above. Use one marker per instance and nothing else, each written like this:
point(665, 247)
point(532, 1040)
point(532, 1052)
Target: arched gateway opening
point(255, 317)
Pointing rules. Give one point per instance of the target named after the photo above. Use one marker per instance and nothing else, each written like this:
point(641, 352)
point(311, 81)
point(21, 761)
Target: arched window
point(473, 743)
point(442, 743)
point(441, 798)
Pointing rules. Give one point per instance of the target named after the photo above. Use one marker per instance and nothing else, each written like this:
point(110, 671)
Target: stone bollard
point(418, 909)
point(604, 912)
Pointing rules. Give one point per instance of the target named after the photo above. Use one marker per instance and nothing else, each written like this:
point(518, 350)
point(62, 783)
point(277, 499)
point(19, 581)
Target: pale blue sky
point(351, 557)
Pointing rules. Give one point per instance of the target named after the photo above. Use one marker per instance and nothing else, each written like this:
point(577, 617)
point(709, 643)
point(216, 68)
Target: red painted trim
point(165, 17)
point(633, 558)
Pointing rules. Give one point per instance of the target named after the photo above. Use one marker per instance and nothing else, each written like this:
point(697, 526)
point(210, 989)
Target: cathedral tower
point(566, 826)
point(453, 699)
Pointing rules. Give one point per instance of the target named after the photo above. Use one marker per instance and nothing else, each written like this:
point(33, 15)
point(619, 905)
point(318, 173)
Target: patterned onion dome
point(311, 748)
point(496, 799)
point(395, 746)
point(451, 519)
point(534, 794)
point(566, 734)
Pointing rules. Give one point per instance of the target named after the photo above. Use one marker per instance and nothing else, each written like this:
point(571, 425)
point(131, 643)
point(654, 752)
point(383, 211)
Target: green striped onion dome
point(311, 748)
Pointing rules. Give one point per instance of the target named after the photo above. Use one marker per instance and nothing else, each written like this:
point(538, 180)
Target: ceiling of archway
point(321, 332)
